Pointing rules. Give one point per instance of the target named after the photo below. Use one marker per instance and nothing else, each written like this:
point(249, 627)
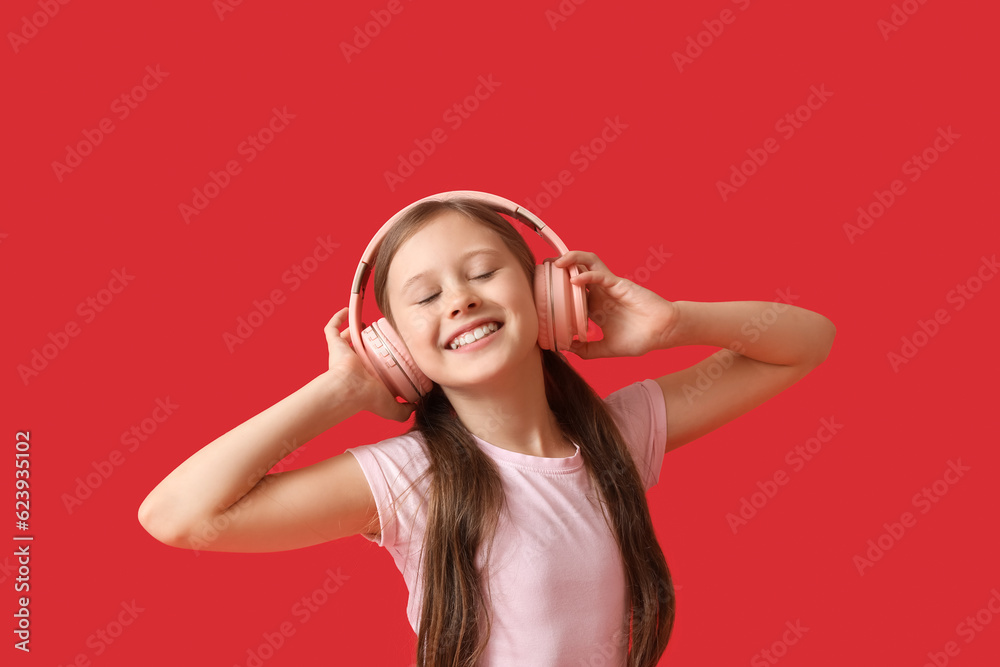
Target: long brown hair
point(464, 512)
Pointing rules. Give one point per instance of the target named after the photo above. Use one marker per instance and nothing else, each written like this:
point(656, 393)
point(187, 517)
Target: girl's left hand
point(633, 319)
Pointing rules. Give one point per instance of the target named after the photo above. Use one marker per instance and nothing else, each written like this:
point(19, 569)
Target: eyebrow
point(465, 255)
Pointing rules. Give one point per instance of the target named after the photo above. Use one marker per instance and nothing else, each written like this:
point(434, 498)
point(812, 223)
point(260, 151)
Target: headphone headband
point(497, 203)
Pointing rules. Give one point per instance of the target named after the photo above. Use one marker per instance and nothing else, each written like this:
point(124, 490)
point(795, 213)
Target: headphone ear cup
point(561, 306)
point(561, 293)
point(392, 361)
point(543, 306)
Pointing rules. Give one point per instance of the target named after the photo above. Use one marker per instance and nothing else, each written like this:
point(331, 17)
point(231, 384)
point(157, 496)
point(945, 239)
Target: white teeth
point(474, 335)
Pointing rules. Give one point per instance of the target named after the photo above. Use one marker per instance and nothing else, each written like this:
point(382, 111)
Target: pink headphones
point(561, 305)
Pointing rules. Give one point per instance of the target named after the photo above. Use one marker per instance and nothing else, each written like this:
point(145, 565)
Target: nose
point(462, 298)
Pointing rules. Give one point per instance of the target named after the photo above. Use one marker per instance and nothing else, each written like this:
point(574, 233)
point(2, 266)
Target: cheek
point(418, 323)
point(530, 312)
point(416, 332)
point(526, 310)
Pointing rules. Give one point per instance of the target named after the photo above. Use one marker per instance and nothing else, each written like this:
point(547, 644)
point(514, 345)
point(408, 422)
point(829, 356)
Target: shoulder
point(643, 398)
point(404, 452)
point(640, 413)
point(394, 469)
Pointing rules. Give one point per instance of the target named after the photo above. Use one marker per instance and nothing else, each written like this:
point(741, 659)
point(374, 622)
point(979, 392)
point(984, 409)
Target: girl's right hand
point(345, 365)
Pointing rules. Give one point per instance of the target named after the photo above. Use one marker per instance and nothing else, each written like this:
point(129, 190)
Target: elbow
point(824, 341)
point(156, 523)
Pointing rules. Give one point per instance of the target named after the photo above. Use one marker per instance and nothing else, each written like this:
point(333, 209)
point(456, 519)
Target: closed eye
point(434, 296)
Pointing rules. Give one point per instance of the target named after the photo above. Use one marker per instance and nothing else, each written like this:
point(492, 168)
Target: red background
point(655, 185)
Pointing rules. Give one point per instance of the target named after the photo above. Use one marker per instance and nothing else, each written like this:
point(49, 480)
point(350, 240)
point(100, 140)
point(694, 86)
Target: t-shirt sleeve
point(641, 415)
point(393, 468)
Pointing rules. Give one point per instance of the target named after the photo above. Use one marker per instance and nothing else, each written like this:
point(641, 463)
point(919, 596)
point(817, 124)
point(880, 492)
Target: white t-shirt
point(558, 583)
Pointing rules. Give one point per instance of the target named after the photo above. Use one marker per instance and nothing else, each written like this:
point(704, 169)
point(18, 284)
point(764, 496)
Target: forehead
point(440, 242)
point(448, 226)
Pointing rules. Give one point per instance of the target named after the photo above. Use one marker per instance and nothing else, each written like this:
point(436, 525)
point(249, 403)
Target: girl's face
point(450, 275)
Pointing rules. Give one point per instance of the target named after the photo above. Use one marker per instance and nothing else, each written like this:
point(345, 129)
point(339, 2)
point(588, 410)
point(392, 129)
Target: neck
point(511, 411)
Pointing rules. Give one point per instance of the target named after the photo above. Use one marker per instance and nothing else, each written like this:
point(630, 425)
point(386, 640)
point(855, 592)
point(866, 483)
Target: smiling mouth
point(477, 334)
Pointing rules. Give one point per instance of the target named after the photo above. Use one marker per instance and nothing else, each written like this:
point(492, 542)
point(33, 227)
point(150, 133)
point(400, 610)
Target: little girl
point(515, 505)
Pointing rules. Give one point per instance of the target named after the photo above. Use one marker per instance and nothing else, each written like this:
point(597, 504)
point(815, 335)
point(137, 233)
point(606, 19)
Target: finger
point(334, 324)
point(595, 277)
point(569, 258)
point(588, 350)
point(578, 257)
point(405, 410)
point(401, 411)
point(337, 319)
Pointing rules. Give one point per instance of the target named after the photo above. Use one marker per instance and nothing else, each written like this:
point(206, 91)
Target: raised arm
point(767, 346)
point(222, 499)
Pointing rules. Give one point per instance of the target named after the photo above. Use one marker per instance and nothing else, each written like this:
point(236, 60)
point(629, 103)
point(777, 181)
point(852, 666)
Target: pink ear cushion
point(578, 304)
point(397, 375)
point(568, 304)
point(542, 307)
point(562, 299)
